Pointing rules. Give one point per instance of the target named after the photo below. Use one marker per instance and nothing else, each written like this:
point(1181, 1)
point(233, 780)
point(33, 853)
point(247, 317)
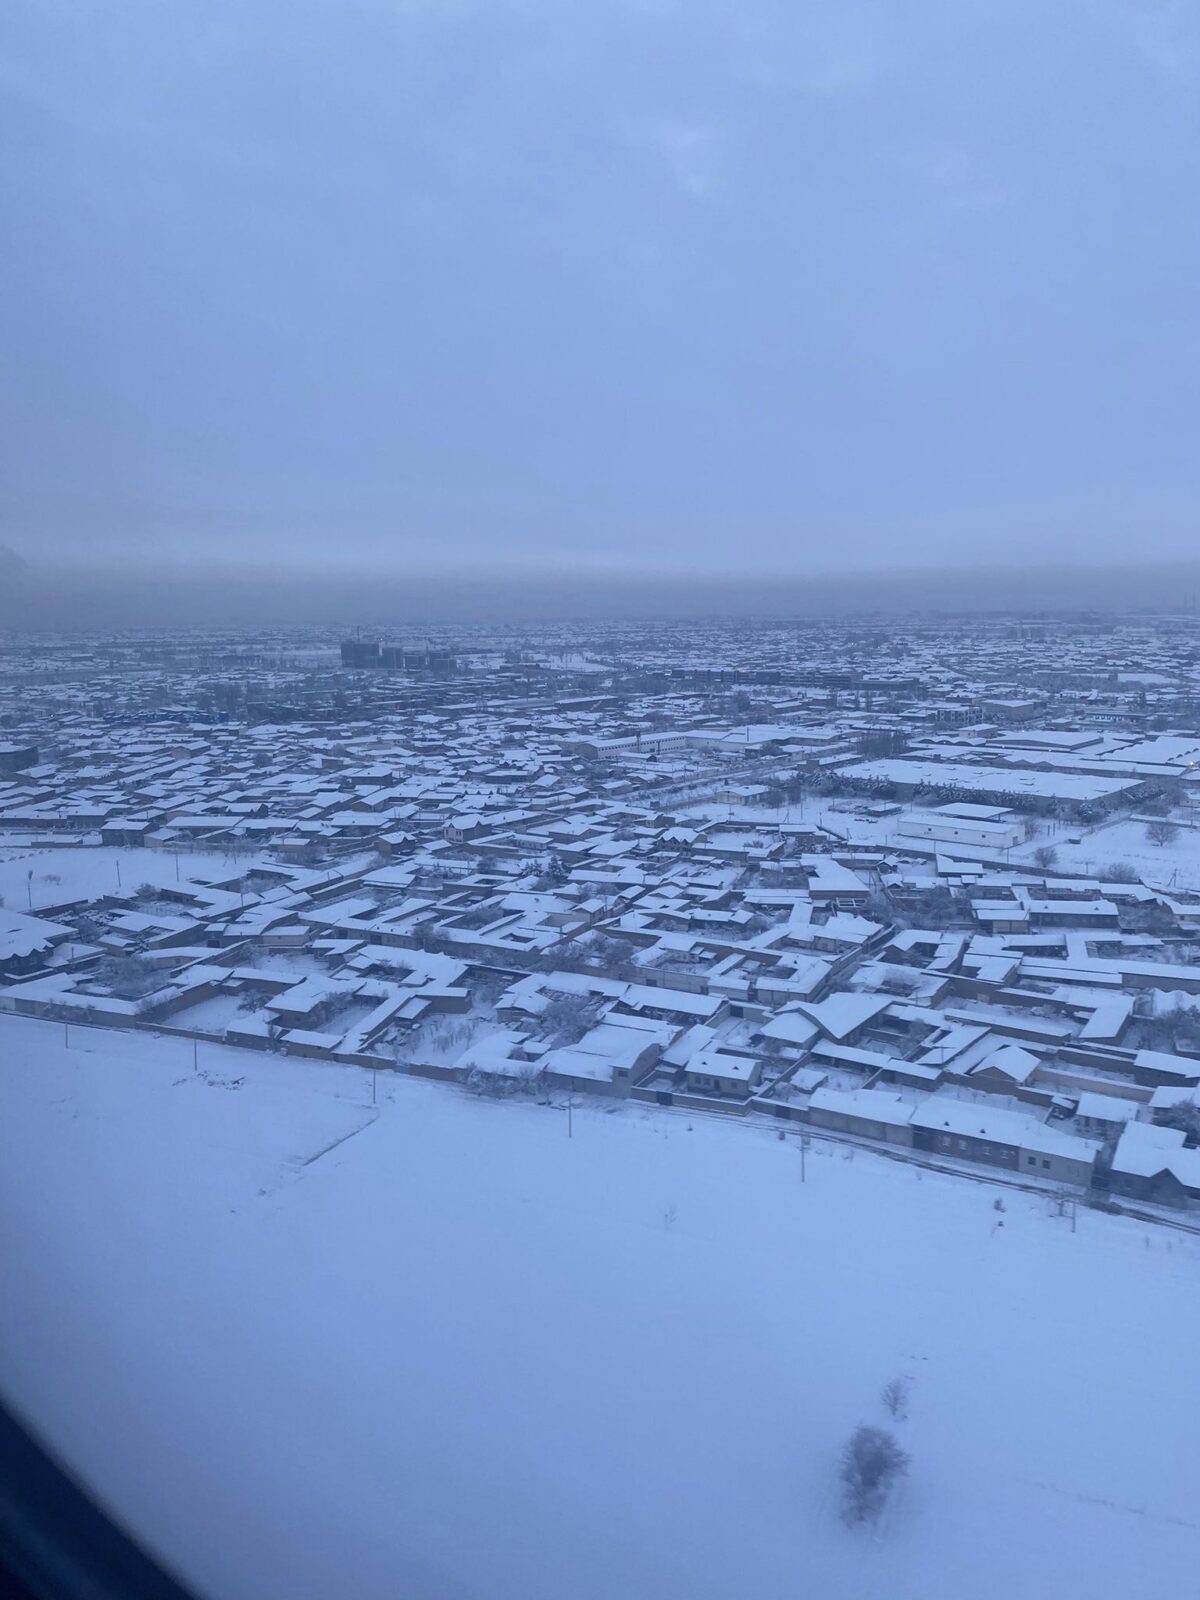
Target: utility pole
point(195, 1054)
point(804, 1143)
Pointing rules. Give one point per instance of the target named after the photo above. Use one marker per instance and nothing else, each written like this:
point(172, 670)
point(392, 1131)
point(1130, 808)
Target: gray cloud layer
point(464, 288)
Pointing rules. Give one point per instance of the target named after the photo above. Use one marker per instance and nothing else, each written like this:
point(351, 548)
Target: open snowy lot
point(33, 877)
point(1174, 864)
point(436, 1348)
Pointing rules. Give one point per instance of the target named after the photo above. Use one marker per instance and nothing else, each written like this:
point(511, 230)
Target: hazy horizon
point(130, 596)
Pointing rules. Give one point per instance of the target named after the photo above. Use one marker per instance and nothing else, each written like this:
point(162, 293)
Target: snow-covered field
point(85, 872)
point(1175, 864)
point(459, 1354)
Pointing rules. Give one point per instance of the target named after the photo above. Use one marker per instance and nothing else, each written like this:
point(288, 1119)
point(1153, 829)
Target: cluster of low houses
point(678, 962)
point(517, 892)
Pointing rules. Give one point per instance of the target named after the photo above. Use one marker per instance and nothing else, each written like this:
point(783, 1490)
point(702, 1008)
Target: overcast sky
point(436, 285)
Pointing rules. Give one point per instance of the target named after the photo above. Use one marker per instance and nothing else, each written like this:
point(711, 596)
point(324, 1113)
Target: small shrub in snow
point(871, 1463)
point(895, 1398)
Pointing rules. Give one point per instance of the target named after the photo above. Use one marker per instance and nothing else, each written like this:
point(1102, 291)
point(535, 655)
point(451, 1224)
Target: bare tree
point(129, 977)
point(569, 1016)
point(878, 907)
point(1186, 1117)
point(1161, 832)
point(1045, 855)
point(556, 870)
point(606, 951)
point(935, 907)
point(871, 1463)
point(500, 1085)
point(487, 987)
point(1187, 1023)
point(895, 1398)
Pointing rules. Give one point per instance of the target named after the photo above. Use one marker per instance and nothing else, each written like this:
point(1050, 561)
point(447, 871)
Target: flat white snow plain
point(458, 1354)
point(85, 872)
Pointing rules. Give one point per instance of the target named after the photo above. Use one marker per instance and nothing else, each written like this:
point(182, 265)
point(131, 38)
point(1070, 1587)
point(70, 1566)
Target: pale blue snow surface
point(461, 1355)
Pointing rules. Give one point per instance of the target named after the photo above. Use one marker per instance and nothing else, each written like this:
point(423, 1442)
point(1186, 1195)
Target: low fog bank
point(36, 597)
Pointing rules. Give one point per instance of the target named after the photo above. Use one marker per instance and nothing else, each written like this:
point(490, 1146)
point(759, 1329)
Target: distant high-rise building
point(360, 653)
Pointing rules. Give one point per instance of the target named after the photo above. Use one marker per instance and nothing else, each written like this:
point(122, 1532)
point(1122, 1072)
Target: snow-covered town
point(902, 885)
point(549, 1068)
point(599, 801)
